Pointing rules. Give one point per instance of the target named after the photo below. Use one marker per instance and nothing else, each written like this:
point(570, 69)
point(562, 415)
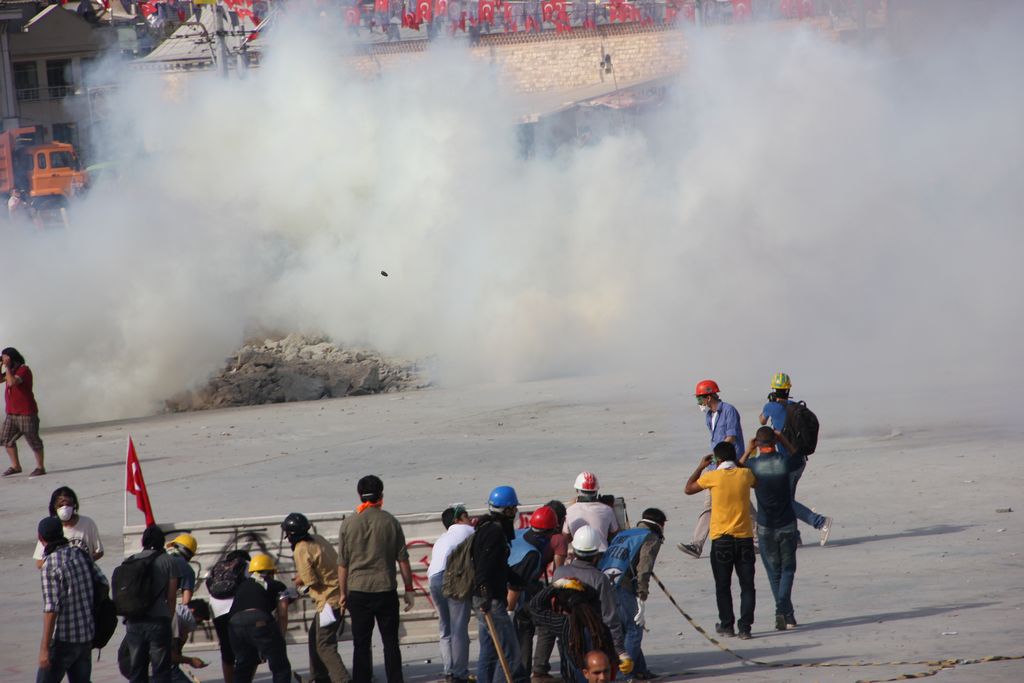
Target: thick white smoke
point(845, 214)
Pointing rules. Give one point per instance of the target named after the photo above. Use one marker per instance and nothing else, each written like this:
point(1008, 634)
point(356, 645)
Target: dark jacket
point(491, 543)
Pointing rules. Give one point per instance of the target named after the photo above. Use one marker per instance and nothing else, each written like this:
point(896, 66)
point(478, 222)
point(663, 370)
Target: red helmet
point(705, 387)
point(543, 519)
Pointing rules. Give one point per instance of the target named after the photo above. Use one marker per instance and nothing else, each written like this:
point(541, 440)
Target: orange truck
point(48, 173)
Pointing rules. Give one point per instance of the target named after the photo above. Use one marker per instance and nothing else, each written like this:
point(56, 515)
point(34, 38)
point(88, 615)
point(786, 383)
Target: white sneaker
point(825, 530)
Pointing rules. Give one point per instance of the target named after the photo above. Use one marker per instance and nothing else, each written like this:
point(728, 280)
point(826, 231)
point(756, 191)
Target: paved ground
point(920, 567)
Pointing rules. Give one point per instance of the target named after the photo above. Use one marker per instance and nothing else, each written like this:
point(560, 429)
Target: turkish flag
point(136, 485)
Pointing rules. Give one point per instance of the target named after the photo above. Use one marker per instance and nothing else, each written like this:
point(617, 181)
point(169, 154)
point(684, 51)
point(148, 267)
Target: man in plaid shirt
point(68, 625)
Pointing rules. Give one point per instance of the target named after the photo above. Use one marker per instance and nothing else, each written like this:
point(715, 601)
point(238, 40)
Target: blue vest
point(621, 556)
point(520, 549)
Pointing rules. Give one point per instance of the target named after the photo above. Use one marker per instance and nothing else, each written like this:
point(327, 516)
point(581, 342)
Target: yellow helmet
point(780, 380)
point(261, 563)
point(186, 541)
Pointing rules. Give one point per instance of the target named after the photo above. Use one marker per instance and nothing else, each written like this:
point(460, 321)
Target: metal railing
point(52, 92)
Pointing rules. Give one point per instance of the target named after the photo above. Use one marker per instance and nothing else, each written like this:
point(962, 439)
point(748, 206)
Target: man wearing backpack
point(145, 591)
point(723, 423)
point(222, 584)
point(316, 568)
point(68, 577)
point(452, 613)
point(777, 410)
point(629, 563)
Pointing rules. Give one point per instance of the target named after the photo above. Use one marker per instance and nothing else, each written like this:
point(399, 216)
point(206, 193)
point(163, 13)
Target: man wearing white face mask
point(78, 529)
point(723, 422)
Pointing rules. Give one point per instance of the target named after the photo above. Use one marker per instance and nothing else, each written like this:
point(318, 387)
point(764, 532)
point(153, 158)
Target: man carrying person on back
point(370, 544)
point(776, 521)
point(452, 614)
point(316, 568)
point(776, 411)
point(259, 618)
point(723, 423)
point(583, 566)
point(68, 576)
point(732, 534)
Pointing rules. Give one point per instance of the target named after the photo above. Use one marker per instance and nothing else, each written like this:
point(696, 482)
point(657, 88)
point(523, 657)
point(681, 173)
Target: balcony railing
point(53, 92)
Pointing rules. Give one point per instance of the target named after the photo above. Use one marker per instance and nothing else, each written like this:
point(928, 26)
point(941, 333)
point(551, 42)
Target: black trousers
point(364, 609)
point(729, 554)
point(255, 636)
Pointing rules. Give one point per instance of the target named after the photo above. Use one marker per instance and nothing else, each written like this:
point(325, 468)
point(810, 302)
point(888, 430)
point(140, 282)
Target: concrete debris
point(298, 368)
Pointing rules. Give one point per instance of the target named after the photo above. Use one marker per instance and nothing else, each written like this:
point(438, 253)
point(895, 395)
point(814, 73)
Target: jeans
point(255, 636)
point(778, 553)
point(325, 665)
point(72, 659)
point(803, 513)
point(149, 643)
point(634, 635)
point(365, 608)
point(488, 668)
point(453, 627)
point(728, 554)
point(546, 639)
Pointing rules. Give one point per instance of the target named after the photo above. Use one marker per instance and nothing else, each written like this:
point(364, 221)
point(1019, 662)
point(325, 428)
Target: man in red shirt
point(22, 412)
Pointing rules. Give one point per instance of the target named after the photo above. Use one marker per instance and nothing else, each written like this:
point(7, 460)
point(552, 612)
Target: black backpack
point(225, 577)
point(801, 427)
point(132, 585)
point(104, 612)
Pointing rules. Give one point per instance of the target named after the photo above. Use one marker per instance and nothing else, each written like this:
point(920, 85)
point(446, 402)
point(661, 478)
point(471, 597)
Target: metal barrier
point(218, 537)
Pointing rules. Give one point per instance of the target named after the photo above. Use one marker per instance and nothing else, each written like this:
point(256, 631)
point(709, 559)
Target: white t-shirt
point(85, 530)
point(598, 516)
point(219, 606)
point(445, 544)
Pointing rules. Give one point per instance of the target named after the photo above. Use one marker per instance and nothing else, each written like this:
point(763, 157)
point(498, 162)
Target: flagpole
point(126, 451)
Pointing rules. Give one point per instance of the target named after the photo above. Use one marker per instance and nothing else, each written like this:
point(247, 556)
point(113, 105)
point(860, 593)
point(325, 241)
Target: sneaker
point(780, 622)
point(39, 471)
point(825, 529)
point(790, 622)
point(745, 635)
point(690, 549)
point(723, 631)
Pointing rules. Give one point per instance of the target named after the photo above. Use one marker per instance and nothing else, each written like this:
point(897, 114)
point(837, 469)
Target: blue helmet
point(503, 497)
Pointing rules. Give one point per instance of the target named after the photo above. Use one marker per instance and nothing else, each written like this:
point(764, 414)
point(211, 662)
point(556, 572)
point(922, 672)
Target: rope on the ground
point(934, 665)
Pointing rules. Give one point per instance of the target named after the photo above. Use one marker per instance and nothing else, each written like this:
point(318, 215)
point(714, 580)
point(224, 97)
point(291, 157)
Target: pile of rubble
point(298, 368)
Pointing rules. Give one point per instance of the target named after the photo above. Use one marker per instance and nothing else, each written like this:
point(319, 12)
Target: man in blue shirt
point(775, 412)
point(776, 521)
point(723, 423)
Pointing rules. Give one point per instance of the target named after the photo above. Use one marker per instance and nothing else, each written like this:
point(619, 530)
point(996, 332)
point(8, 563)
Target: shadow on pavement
point(890, 616)
point(934, 530)
point(117, 463)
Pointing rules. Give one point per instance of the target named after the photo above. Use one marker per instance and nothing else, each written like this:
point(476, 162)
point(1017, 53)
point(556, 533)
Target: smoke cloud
point(850, 215)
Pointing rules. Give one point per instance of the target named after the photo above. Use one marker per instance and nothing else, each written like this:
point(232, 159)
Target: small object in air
point(384, 273)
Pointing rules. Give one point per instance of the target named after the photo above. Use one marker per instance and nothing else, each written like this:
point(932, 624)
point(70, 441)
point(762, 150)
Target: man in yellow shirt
point(732, 534)
point(316, 568)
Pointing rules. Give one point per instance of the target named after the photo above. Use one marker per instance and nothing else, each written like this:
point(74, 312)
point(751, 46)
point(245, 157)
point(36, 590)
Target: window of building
point(58, 77)
point(66, 132)
point(26, 81)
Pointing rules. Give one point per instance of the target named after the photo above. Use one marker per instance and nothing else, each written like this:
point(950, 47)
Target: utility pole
point(218, 36)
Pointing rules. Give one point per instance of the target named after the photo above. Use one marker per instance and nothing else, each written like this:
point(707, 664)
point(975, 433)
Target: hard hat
point(261, 563)
point(543, 519)
point(706, 387)
point(295, 523)
point(186, 541)
point(587, 481)
point(585, 541)
point(503, 497)
point(780, 380)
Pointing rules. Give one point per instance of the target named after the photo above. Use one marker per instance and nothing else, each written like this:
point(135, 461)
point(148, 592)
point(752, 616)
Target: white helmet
point(585, 542)
point(587, 482)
